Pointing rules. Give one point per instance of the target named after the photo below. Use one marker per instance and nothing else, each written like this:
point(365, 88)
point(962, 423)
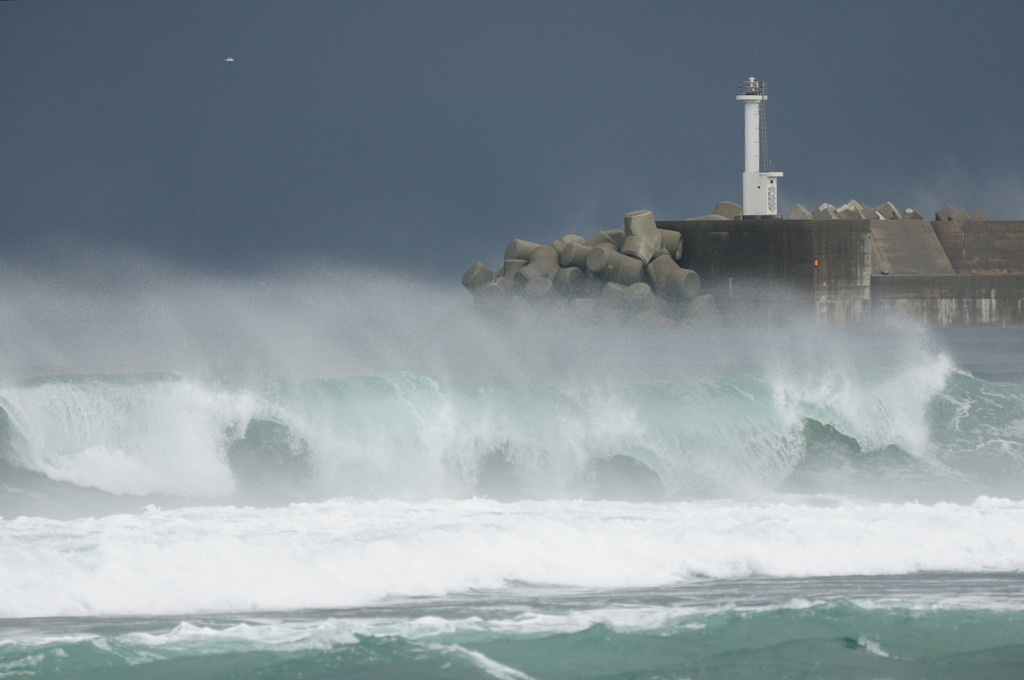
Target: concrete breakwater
point(840, 265)
point(855, 210)
point(847, 269)
point(633, 270)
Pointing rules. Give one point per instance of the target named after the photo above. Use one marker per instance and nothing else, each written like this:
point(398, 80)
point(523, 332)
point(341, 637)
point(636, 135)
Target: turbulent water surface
point(325, 475)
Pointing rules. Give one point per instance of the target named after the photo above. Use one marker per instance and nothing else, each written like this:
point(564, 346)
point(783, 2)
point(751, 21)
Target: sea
point(331, 472)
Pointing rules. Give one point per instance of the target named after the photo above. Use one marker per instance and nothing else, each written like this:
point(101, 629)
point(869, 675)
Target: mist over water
point(136, 383)
point(127, 315)
point(105, 316)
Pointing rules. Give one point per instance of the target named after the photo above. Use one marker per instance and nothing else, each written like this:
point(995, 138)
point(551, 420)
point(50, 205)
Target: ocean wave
point(353, 553)
point(849, 641)
point(923, 431)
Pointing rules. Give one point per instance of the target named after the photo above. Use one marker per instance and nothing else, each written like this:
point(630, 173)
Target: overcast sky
point(426, 135)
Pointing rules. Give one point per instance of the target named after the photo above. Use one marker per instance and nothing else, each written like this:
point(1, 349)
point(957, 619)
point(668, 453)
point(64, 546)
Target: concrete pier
point(944, 273)
point(843, 265)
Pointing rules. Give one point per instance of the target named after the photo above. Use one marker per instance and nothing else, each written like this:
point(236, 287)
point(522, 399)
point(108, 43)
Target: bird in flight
point(230, 60)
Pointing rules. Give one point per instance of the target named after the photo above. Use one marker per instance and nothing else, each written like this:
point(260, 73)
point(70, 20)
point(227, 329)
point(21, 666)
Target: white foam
point(25, 666)
point(485, 663)
point(877, 411)
point(350, 553)
point(135, 437)
point(872, 647)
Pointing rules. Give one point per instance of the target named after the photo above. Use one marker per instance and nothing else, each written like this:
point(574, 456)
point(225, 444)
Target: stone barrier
point(613, 237)
point(611, 265)
point(570, 281)
point(538, 287)
point(672, 281)
point(574, 255)
point(512, 267)
point(671, 243)
point(635, 269)
point(476, 276)
point(519, 249)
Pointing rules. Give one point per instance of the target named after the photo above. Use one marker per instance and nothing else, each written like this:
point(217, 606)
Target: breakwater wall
point(628, 273)
point(947, 272)
point(842, 265)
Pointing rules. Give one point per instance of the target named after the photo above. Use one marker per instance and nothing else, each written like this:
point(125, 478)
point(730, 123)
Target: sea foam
point(352, 553)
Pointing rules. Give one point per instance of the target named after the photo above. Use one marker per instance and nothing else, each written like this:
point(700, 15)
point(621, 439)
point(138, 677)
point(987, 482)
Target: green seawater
point(892, 627)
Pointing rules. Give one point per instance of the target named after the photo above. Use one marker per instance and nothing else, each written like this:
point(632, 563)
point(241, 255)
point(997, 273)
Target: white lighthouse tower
point(760, 187)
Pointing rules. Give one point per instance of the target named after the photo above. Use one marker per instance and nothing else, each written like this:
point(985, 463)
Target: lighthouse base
point(761, 193)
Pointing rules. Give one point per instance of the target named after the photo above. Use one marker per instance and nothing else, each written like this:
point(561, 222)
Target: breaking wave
point(926, 431)
point(169, 388)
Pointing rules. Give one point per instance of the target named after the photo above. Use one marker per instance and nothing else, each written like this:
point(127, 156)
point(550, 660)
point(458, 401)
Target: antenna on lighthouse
point(760, 187)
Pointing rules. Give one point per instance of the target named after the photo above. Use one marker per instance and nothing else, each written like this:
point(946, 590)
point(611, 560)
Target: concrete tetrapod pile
point(633, 270)
point(851, 210)
point(855, 210)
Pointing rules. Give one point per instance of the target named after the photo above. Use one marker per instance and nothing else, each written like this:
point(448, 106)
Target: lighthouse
point(760, 186)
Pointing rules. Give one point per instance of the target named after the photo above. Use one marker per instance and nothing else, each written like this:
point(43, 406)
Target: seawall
point(944, 273)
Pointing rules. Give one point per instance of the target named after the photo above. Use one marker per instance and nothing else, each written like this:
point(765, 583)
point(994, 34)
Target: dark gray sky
point(426, 135)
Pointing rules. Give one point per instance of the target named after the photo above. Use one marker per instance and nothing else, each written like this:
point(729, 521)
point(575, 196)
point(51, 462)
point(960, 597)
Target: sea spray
point(876, 409)
point(126, 436)
point(412, 436)
point(105, 315)
point(313, 384)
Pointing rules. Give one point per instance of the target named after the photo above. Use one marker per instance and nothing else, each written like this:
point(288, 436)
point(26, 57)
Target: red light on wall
point(815, 262)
